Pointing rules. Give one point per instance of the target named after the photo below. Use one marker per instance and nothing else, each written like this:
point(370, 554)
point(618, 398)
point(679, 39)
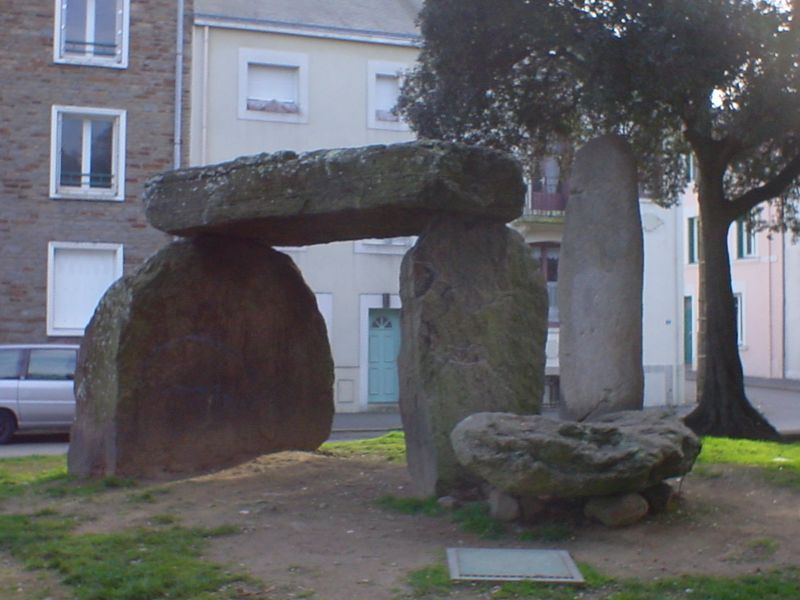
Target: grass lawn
point(780, 463)
point(164, 560)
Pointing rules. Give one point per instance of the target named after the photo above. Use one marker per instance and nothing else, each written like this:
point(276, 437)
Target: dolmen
point(214, 351)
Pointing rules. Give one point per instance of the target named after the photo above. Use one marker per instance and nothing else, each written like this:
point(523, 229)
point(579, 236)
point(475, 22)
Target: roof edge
point(308, 30)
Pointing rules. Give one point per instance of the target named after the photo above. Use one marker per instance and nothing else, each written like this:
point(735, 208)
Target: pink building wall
point(758, 281)
point(792, 307)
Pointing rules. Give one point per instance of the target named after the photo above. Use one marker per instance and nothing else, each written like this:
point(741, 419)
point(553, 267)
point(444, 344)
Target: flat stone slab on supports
point(212, 353)
point(286, 199)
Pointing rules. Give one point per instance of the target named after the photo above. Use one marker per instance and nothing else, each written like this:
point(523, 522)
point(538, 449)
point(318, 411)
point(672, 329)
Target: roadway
point(779, 401)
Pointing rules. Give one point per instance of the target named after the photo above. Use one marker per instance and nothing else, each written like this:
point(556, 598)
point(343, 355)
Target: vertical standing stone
point(474, 322)
point(600, 284)
point(212, 353)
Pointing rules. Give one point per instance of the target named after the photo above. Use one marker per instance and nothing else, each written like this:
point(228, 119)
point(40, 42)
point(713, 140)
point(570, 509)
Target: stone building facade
point(88, 104)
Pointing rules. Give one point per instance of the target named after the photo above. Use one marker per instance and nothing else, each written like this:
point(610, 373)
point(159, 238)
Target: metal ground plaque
point(497, 564)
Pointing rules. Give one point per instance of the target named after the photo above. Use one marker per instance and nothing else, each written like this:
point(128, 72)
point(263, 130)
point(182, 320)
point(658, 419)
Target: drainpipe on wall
point(769, 299)
point(178, 86)
point(204, 100)
point(784, 371)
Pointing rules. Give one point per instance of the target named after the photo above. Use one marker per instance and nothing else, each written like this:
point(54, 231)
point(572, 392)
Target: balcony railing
point(547, 202)
point(545, 199)
point(546, 205)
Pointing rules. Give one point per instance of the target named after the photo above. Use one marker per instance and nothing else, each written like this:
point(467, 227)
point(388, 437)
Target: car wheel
point(8, 425)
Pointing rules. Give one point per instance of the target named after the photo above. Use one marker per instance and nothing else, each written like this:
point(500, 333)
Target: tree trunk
point(723, 408)
point(701, 309)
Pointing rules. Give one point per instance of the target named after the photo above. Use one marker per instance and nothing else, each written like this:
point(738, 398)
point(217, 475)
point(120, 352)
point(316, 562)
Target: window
point(547, 254)
point(691, 168)
point(92, 32)
point(78, 274)
point(52, 365)
point(745, 239)
point(87, 156)
point(738, 304)
point(10, 364)
point(691, 240)
point(688, 331)
point(273, 86)
point(384, 82)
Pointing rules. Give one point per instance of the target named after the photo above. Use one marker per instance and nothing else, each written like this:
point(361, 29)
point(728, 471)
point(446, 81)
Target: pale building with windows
point(765, 278)
point(303, 75)
point(94, 101)
point(310, 74)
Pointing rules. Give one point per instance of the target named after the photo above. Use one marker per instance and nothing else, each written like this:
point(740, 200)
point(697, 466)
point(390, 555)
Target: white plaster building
point(302, 75)
point(307, 74)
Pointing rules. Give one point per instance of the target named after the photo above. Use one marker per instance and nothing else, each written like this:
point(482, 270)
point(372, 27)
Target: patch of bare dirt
point(16, 583)
point(310, 527)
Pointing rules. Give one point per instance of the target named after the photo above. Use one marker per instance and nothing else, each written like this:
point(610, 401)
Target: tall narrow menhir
point(600, 284)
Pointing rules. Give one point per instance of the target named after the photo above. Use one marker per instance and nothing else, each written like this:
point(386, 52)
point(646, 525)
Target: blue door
point(384, 345)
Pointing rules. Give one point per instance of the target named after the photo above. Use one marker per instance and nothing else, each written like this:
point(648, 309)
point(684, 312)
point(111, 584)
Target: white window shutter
point(273, 82)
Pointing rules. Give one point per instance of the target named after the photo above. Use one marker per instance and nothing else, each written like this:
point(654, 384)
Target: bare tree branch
point(772, 189)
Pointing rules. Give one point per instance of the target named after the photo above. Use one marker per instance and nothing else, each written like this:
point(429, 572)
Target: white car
point(36, 388)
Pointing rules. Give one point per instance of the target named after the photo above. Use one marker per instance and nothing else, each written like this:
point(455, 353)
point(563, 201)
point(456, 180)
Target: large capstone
point(600, 276)
point(288, 199)
point(212, 353)
point(619, 453)
point(474, 321)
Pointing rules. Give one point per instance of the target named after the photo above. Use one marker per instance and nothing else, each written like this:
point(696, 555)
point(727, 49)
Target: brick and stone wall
point(30, 84)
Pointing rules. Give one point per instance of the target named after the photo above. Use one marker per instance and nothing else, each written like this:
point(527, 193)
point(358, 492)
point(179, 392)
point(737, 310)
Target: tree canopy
point(719, 79)
point(540, 76)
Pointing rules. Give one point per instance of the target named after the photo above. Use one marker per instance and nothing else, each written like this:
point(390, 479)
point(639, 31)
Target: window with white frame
point(745, 239)
point(384, 81)
point(691, 168)
point(738, 303)
point(691, 240)
point(92, 32)
point(273, 86)
point(87, 157)
point(78, 274)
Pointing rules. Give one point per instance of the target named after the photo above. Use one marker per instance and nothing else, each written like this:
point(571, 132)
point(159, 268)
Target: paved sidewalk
point(367, 421)
point(778, 400)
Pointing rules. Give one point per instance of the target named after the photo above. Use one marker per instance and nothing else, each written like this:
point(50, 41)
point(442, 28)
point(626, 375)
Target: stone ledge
point(288, 199)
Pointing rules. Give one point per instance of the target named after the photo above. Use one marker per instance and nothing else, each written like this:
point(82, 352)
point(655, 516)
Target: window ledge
point(398, 249)
point(92, 62)
point(87, 196)
point(298, 117)
point(65, 332)
point(398, 125)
